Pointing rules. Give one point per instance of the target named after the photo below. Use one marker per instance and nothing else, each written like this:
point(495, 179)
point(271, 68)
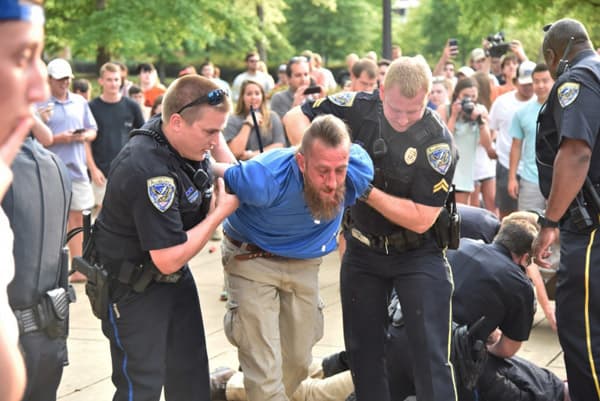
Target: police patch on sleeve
point(567, 93)
point(439, 157)
point(161, 191)
point(343, 99)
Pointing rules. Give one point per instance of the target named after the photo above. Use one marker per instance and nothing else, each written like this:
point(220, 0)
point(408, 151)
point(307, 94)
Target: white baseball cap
point(466, 71)
point(59, 68)
point(525, 72)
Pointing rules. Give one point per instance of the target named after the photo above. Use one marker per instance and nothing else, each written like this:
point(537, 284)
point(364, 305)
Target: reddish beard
point(323, 209)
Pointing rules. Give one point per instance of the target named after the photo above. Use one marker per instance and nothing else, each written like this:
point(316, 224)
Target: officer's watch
point(365, 195)
point(546, 223)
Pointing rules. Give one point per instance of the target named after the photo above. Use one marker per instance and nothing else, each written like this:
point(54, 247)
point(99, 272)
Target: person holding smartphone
point(298, 73)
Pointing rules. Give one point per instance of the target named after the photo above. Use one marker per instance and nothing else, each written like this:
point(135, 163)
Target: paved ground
point(87, 378)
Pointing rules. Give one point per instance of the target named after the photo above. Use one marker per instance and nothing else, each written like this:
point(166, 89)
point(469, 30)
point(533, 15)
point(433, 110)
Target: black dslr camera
point(498, 45)
point(467, 105)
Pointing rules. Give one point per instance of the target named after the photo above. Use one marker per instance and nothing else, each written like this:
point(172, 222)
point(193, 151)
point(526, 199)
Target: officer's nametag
point(567, 93)
point(439, 157)
point(343, 99)
point(161, 191)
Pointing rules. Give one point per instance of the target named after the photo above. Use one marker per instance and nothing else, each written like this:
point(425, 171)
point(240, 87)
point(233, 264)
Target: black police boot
point(334, 364)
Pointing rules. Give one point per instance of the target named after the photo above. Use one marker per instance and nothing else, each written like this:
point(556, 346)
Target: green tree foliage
point(352, 26)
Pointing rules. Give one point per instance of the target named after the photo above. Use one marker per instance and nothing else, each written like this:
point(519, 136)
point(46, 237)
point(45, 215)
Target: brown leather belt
point(254, 251)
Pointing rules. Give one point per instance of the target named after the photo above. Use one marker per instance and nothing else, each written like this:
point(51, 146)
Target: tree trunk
point(102, 53)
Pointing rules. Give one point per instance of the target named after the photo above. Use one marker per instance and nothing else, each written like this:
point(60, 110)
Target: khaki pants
point(274, 317)
point(335, 388)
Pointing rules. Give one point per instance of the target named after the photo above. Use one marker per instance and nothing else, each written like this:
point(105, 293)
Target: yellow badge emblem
point(442, 185)
point(410, 155)
point(567, 93)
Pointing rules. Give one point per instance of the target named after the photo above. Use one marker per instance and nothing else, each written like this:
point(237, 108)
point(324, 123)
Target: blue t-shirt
point(273, 213)
point(523, 127)
point(74, 113)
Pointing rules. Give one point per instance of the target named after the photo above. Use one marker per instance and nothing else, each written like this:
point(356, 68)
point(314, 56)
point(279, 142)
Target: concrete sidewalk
point(87, 378)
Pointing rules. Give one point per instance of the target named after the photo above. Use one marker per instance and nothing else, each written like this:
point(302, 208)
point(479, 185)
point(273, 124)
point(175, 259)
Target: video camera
point(498, 45)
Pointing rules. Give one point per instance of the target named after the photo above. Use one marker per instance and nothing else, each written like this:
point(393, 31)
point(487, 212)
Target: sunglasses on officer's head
point(212, 98)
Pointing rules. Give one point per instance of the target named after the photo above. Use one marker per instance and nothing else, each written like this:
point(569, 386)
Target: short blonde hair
point(185, 90)
point(409, 74)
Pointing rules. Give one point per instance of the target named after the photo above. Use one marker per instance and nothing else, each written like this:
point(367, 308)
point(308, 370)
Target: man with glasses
point(252, 73)
point(155, 217)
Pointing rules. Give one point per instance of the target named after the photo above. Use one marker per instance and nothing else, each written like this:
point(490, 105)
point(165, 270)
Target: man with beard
point(291, 203)
point(391, 238)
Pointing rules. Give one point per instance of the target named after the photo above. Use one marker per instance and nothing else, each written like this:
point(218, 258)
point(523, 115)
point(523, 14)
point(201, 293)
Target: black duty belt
point(400, 241)
point(139, 276)
point(53, 306)
point(254, 251)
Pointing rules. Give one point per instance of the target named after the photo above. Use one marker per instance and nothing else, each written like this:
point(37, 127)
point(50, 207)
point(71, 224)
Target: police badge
point(439, 157)
point(161, 191)
point(567, 93)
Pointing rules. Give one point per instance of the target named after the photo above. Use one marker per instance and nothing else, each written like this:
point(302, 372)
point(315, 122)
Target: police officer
point(568, 156)
point(155, 217)
point(389, 239)
point(37, 206)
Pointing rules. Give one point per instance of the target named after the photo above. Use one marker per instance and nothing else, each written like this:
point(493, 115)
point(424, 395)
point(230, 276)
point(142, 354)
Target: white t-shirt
point(501, 114)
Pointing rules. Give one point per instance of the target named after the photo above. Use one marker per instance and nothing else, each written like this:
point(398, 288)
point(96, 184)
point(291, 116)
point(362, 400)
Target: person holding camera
point(241, 134)
point(467, 121)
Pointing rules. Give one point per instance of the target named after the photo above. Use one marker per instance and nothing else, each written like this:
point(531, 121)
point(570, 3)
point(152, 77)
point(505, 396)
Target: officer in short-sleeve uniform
point(419, 165)
point(158, 333)
point(571, 112)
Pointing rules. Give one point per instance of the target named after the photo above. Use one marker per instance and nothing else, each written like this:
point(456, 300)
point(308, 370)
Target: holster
point(97, 285)
point(447, 226)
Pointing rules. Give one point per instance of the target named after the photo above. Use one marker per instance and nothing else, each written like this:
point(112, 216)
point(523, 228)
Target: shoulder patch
point(439, 157)
point(343, 99)
point(567, 93)
point(161, 191)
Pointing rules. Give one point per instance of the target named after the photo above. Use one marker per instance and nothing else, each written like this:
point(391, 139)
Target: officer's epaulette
point(432, 126)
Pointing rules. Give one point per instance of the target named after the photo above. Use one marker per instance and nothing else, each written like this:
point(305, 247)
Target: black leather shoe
point(218, 383)
point(334, 364)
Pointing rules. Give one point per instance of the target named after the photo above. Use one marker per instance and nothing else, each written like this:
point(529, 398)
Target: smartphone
point(453, 44)
point(312, 89)
point(79, 131)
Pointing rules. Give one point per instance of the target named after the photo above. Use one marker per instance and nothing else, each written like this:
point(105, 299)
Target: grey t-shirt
point(275, 135)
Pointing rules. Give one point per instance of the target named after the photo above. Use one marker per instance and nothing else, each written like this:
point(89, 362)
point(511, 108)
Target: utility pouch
point(56, 310)
point(580, 216)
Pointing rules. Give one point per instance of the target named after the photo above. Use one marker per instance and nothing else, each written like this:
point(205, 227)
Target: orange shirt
point(151, 94)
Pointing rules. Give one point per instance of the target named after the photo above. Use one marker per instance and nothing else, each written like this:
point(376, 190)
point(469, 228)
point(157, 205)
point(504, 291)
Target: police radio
point(563, 63)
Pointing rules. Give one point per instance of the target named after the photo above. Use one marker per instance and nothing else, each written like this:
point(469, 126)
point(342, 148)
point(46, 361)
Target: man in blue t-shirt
point(291, 204)
point(522, 152)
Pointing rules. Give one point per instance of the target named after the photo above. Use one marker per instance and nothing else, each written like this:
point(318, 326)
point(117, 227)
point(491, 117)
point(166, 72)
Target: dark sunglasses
point(212, 98)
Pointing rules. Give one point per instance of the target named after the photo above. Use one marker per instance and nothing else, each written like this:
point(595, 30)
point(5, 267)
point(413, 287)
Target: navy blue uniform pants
point(422, 279)
point(157, 339)
point(578, 312)
point(45, 358)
